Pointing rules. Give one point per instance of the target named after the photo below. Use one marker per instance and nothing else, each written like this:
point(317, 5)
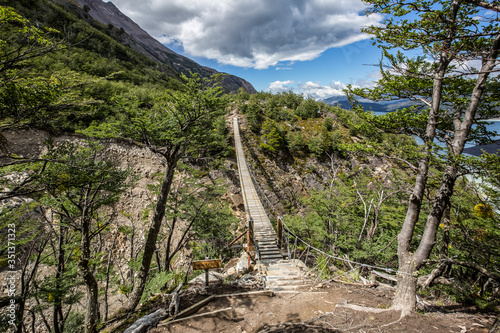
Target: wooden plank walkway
point(277, 274)
point(264, 233)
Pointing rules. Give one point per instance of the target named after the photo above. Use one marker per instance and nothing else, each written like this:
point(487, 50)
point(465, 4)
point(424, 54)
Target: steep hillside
point(117, 44)
point(141, 41)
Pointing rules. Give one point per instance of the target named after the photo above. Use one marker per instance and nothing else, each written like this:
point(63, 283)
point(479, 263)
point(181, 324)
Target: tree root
point(372, 310)
point(363, 308)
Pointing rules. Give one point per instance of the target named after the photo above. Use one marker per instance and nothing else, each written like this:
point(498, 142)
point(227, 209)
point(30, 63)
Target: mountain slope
point(141, 41)
point(383, 106)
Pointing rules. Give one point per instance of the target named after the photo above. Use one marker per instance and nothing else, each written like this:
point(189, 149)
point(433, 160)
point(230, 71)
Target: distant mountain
point(107, 13)
point(493, 148)
point(384, 106)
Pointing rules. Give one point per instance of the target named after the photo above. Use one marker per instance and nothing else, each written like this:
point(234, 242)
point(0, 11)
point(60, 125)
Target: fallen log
point(357, 284)
point(268, 293)
point(383, 275)
point(147, 322)
point(229, 310)
point(195, 307)
point(174, 304)
point(192, 309)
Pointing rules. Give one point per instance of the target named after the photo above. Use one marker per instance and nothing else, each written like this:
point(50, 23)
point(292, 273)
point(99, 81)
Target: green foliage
point(74, 322)
point(185, 119)
point(489, 168)
point(468, 238)
point(210, 220)
point(323, 262)
point(309, 108)
point(62, 290)
point(334, 218)
point(20, 220)
point(414, 77)
point(310, 228)
point(157, 284)
point(79, 188)
point(63, 90)
point(272, 138)
point(20, 41)
point(296, 142)
point(253, 112)
point(289, 99)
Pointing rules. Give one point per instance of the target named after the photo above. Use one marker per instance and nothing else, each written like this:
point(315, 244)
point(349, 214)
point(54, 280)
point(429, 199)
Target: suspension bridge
point(278, 271)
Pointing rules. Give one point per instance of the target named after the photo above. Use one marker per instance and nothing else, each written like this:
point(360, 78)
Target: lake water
point(495, 126)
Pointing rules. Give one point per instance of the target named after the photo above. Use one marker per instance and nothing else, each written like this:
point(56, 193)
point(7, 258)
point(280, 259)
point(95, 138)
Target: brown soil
point(320, 310)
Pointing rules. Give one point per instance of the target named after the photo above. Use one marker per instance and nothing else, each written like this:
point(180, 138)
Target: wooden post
point(249, 240)
point(206, 278)
point(248, 248)
point(250, 229)
point(280, 233)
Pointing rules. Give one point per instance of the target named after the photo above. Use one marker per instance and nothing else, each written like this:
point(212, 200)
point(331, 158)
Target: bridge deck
point(264, 233)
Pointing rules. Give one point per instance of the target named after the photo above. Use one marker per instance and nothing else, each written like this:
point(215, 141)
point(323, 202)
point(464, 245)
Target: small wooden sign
point(207, 264)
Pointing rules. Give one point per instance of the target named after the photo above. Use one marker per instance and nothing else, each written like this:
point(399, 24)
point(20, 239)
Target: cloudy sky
point(313, 47)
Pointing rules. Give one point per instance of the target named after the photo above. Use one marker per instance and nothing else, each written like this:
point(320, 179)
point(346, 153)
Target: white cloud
point(318, 91)
point(252, 33)
point(281, 86)
point(315, 90)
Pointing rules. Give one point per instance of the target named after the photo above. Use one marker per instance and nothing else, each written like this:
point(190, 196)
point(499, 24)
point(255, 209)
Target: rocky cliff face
point(141, 41)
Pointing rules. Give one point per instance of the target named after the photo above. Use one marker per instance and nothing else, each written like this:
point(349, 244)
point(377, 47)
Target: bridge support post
point(280, 233)
point(250, 230)
point(249, 240)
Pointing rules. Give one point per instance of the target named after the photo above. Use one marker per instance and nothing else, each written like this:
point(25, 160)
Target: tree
point(21, 41)
point(179, 123)
point(79, 189)
point(196, 212)
point(59, 225)
point(21, 98)
point(449, 35)
point(309, 108)
point(272, 138)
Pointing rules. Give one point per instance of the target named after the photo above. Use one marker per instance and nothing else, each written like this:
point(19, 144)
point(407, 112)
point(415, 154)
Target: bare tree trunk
point(462, 129)
point(92, 312)
point(407, 262)
point(405, 298)
point(57, 311)
point(108, 268)
point(27, 278)
point(441, 201)
point(154, 229)
point(367, 213)
point(376, 211)
point(445, 191)
point(445, 242)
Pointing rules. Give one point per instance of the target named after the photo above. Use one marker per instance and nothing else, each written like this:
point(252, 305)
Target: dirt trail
point(320, 310)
